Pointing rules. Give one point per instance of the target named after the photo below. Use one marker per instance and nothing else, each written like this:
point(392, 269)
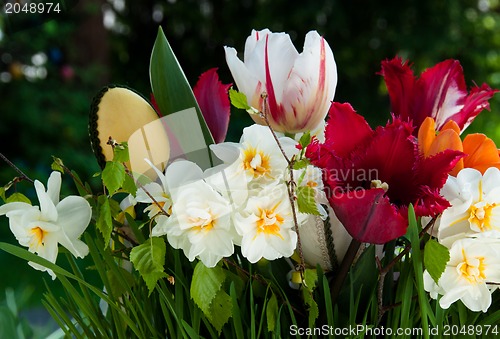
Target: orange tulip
point(480, 151)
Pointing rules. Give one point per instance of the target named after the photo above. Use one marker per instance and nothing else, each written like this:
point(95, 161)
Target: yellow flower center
point(203, 220)
point(269, 222)
point(38, 235)
point(480, 216)
point(472, 269)
point(256, 162)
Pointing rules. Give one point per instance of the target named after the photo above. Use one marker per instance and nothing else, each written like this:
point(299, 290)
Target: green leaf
point(239, 100)
point(206, 291)
point(305, 139)
point(120, 152)
point(170, 87)
point(113, 176)
point(129, 185)
point(436, 256)
point(104, 220)
point(57, 165)
point(2, 193)
point(272, 313)
point(18, 197)
point(300, 164)
point(148, 259)
point(306, 201)
point(310, 281)
point(221, 310)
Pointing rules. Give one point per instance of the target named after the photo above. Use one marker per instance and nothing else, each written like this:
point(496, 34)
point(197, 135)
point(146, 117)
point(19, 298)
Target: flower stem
point(344, 268)
point(290, 186)
point(21, 173)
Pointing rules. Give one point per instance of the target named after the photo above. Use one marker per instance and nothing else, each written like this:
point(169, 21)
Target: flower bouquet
point(300, 228)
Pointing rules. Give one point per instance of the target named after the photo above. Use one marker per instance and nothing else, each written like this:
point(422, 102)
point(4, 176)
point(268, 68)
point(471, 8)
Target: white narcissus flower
point(470, 274)
point(55, 222)
point(266, 225)
point(298, 88)
point(160, 193)
point(253, 162)
point(475, 204)
point(200, 223)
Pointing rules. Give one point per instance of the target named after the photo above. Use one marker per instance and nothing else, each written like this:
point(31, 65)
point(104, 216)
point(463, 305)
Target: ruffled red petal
point(369, 216)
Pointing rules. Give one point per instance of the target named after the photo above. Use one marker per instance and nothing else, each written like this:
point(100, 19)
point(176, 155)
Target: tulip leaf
point(207, 293)
point(436, 256)
point(149, 258)
point(306, 201)
point(170, 87)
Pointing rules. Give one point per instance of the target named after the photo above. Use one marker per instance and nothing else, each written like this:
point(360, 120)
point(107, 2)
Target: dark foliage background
point(51, 66)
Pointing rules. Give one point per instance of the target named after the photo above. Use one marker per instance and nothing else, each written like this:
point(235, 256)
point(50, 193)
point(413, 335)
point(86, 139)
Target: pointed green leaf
point(170, 87)
point(436, 256)
point(104, 220)
point(310, 281)
point(306, 201)
point(57, 165)
point(300, 164)
point(239, 100)
point(221, 309)
point(148, 259)
point(120, 152)
point(113, 176)
point(272, 313)
point(206, 291)
point(18, 197)
point(305, 139)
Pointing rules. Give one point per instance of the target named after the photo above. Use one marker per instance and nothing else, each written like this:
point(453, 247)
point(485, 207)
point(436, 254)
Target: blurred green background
point(51, 66)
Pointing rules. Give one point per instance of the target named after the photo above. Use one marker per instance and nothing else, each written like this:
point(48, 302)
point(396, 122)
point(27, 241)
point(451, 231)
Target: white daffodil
point(200, 223)
point(475, 204)
point(254, 162)
point(155, 194)
point(471, 274)
point(266, 225)
point(55, 222)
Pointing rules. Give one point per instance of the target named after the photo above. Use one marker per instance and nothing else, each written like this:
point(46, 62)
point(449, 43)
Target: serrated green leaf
point(306, 201)
point(310, 278)
point(436, 256)
point(170, 87)
point(18, 197)
point(239, 100)
point(57, 165)
point(120, 152)
point(129, 185)
point(104, 220)
point(148, 259)
point(206, 291)
point(300, 164)
point(205, 285)
point(272, 312)
point(309, 282)
point(221, 309)
point(113, 176)
point(305, 139)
